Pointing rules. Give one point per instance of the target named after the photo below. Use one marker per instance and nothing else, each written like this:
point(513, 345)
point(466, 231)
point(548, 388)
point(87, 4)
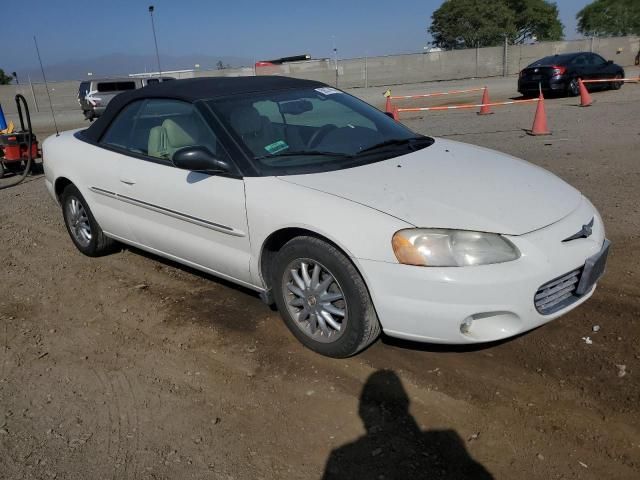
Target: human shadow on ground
point(394, 447)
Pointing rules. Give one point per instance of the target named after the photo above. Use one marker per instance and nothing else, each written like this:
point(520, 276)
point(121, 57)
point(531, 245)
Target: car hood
point(454, 185)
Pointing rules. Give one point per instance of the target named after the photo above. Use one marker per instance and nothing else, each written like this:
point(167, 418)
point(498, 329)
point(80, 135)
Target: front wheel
point(83, 229)
point(617, 85)
point(323, 299)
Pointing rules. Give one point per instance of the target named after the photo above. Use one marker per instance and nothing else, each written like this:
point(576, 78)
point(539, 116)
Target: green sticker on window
point(276, 147)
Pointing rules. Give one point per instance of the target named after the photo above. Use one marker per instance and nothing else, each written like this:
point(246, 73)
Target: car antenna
point(46, 86)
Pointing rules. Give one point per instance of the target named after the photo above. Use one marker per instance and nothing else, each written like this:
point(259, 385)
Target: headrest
point(246, 120)
point(181, 134)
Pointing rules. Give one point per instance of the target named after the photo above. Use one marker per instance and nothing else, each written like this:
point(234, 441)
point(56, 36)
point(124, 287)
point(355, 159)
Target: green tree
point(603, 18)
point(471, 23)
point(536, 18)
point(4, 78)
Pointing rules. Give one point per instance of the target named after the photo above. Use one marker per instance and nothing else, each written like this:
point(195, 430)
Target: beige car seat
point(173, 135)
point(257, 131)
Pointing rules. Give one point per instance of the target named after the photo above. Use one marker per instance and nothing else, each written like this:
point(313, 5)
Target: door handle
point(126, 181)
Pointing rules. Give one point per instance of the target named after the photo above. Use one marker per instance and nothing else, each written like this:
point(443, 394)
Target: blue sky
point(250, 29)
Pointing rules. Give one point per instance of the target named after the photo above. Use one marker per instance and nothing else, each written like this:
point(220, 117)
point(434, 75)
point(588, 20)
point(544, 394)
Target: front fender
point(361, 232)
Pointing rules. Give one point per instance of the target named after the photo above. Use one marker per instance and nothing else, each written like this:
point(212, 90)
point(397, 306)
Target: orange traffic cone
point(396, 114)
point(585, 98)
point(484, 109)
point(540, 120)
point(388, 107)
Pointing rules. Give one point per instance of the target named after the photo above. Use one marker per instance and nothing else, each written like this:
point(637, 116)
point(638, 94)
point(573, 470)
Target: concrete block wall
point(63, 96)
point(371, 71)
point(450, 65)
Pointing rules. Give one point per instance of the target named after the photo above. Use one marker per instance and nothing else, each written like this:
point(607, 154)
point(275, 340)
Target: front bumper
point(430, 304)
point(51, 189)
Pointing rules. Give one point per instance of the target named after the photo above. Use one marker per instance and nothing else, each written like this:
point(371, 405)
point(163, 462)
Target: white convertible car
point(347, 220)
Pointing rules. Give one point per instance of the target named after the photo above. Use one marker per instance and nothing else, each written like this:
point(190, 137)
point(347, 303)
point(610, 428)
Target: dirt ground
point(131, 367)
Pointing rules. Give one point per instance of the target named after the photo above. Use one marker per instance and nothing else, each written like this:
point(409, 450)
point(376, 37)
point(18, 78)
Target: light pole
point(335, 57)
point(155, 40)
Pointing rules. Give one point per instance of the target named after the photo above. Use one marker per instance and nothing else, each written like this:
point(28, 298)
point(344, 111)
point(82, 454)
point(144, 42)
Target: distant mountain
point(123, 64)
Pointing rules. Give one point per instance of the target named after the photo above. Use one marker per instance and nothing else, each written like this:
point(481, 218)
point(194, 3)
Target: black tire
point(36, 168)
point(362, 326)
point(1, 169)
point(14, 167)
point(99, 244)
point(573, 89)
point(616, 85)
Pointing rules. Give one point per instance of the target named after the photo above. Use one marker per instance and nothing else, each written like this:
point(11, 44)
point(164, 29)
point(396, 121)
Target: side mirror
point(199, 159)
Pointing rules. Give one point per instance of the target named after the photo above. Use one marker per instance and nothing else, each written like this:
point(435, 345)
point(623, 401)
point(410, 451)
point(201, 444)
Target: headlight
point(451, 248)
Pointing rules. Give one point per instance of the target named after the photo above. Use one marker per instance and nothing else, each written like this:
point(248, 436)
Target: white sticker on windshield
point(327, 90)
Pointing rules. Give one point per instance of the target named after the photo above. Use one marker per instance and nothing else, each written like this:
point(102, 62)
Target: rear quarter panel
point(69, 159)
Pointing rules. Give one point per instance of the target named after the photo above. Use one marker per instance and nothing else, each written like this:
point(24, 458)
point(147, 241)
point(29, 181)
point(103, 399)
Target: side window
point(106, 87)
point(579, 60)
point(120, 130)
point(159, 127)
point(596, 60)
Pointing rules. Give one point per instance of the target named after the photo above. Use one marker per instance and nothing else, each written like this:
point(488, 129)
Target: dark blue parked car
point(560, 73)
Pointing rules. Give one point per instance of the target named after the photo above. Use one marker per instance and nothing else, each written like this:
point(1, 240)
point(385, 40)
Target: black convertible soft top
point(193, 89)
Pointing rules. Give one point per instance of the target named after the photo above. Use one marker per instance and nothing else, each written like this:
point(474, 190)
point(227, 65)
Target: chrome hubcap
point(78, 222)
point(575, 88)
point(315, 300)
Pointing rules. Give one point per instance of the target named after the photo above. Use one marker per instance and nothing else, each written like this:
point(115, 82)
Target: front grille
point(558, 293)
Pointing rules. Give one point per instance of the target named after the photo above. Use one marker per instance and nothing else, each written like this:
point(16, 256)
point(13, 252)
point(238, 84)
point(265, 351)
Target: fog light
point(466, 325)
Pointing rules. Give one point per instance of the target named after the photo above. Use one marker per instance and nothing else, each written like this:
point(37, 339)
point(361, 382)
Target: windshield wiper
point(293, 153)
point(393, 142)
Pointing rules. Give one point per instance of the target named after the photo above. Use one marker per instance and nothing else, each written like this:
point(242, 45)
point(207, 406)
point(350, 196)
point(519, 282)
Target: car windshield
point(311, 130)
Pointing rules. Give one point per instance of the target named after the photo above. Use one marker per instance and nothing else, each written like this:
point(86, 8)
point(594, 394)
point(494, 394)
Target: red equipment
point(14, 147)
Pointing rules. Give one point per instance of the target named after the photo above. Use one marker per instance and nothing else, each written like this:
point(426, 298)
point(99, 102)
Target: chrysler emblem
point(585, 232)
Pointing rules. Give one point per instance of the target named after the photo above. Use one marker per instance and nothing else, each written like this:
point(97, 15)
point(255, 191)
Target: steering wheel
point(319, 134)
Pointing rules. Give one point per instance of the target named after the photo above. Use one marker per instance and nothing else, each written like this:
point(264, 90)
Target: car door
point(193, 217)
point(581, 67)
point(599, 66)
point(101, 166)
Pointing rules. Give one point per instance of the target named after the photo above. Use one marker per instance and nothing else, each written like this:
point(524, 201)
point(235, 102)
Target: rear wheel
point(573, 88)
point(83, 229)
point(323, 299)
